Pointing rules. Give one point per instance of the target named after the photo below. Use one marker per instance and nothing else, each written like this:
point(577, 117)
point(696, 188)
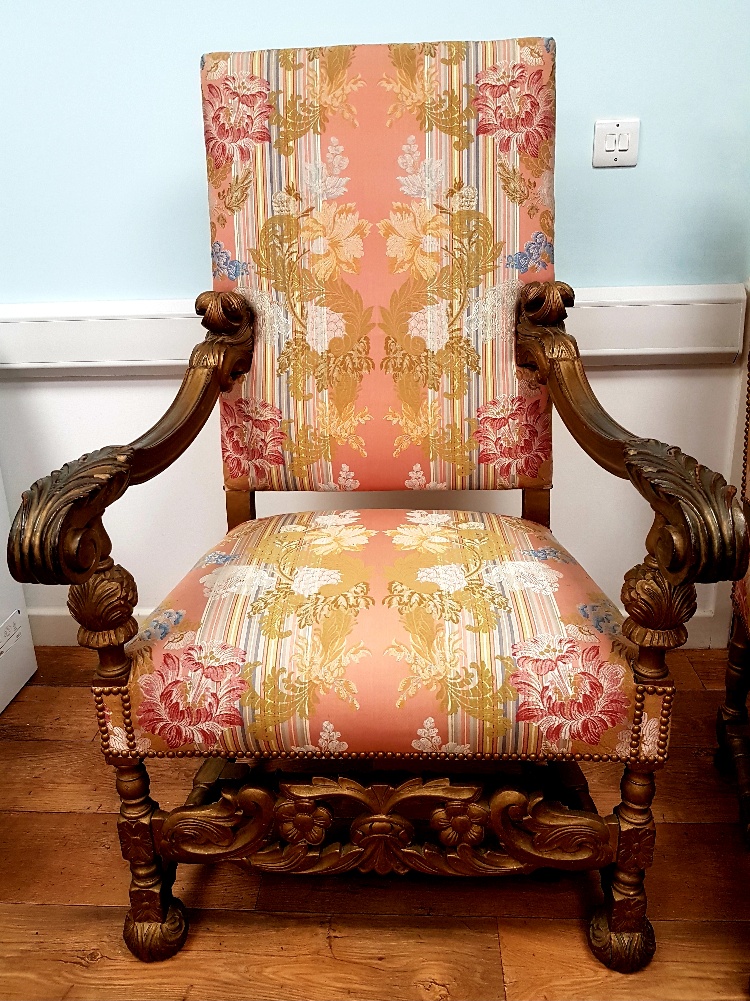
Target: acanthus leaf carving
point(700, 531)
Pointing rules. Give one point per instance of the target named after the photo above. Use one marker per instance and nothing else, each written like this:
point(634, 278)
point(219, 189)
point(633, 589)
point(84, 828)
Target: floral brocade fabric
point(381, 206)
point(411, 632)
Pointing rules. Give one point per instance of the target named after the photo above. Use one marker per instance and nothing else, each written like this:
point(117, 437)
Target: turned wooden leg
point(732, 718)
point(156, 925)
point(620, 934)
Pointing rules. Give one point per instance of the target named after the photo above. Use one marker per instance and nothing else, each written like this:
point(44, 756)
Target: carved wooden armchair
point(385, 690)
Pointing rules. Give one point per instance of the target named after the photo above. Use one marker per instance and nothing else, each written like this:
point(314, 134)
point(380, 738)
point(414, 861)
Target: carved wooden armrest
point(57, 536)
point(699, 534)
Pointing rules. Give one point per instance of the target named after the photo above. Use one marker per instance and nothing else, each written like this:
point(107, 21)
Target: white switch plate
point(616, 142)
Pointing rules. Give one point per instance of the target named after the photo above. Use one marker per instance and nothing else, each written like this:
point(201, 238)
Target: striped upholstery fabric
point(404, 632)
point(381, 207)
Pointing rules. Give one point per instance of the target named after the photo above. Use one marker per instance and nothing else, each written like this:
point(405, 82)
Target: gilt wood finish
point(457, 825)
point(699, 534)
point(437, 827)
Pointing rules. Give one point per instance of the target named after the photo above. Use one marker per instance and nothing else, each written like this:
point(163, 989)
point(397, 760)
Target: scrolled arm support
point(57, 536)
point(700, 531)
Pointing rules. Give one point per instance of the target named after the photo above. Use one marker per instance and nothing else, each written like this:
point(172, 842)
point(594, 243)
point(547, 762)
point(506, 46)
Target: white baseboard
point(55, 627)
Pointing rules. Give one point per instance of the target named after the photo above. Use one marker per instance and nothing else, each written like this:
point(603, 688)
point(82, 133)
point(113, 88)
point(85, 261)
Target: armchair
point(385, 690)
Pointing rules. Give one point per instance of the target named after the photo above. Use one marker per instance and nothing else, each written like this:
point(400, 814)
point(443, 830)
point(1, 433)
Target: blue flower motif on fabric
point(223, 265)
point(601, 615)
point(535, 256)
point(220, 558)
point(547, 553)
point(161, 625)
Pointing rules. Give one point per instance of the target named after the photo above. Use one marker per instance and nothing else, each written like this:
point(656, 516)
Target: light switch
point(616, 142)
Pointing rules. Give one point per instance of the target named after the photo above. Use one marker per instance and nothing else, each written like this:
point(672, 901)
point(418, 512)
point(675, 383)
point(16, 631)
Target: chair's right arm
point(700, 529)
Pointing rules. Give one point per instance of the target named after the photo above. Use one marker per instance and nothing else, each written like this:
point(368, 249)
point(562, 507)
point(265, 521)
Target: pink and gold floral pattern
point(381, 206)
point(413, 632)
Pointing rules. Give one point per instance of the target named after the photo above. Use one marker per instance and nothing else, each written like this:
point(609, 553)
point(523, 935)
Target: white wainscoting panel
point(666, 363)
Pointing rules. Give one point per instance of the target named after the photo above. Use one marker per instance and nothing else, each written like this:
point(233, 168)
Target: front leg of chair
point(732, 718)
point(620, 934)
point(155, 925)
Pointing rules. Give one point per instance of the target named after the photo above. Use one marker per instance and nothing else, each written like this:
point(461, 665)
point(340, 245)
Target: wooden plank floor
point(63, 888)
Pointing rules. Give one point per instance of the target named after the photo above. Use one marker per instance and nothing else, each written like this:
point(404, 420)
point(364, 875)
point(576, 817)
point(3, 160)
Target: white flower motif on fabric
point(336, 518)
point(409, 159)
point(118, 740)
point(448, 576)
point(582, 634)
point(309, 580)
point(322, 324)
point(522, 575)
point(466, 197)
point(283, 203)
point(416, 480)
point(292, 529)
point(425, 182)
point(431, 324)
point(475, 526)
point(247, 580)
point(649, 738)
point(493, 315)
point(323, 180)
point(273, 325)
point(346, 481)
point(328, 742)
point(430, 741)
point(177, 641)
point(428, 518)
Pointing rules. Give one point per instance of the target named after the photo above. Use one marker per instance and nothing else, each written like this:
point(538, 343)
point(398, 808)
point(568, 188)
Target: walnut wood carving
point(699, 534)
point(57, 536)
point(433, 827)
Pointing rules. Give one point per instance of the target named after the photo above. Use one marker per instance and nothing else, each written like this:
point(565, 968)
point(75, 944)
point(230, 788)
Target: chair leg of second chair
point(620, 934)
point(732, 719)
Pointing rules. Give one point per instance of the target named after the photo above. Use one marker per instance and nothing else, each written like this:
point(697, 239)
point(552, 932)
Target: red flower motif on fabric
point(542, 654)
point(214, 661)
point(251, 438)
point(573, 704)
point(515, 106)
point(184, 708)
point(515, 435)
point(235, 117)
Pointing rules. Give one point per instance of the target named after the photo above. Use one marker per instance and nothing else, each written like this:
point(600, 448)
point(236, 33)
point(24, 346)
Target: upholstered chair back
point(380, 206)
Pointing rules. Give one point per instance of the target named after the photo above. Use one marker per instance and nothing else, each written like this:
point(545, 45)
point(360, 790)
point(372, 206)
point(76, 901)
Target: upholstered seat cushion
point(395, 632)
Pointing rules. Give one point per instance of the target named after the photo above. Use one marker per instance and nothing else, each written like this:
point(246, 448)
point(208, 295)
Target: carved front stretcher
point(314, 823)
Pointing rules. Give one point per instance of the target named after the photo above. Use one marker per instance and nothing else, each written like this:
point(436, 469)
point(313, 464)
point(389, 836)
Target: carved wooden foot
point(620, 934)
point(153, 941)
point(156, 924)
point(624, 951)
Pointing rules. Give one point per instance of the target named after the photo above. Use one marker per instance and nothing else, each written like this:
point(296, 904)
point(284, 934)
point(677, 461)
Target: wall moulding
point(666, 326)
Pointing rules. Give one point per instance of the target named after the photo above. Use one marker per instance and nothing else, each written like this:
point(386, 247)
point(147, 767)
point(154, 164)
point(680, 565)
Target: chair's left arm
point(700, 529)
point(57, 536)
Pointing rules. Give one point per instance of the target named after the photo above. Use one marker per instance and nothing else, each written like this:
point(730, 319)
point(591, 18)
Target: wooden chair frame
point(282, 814)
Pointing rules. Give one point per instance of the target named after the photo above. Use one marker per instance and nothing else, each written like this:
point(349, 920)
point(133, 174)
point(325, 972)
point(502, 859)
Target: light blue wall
point(102, 175)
